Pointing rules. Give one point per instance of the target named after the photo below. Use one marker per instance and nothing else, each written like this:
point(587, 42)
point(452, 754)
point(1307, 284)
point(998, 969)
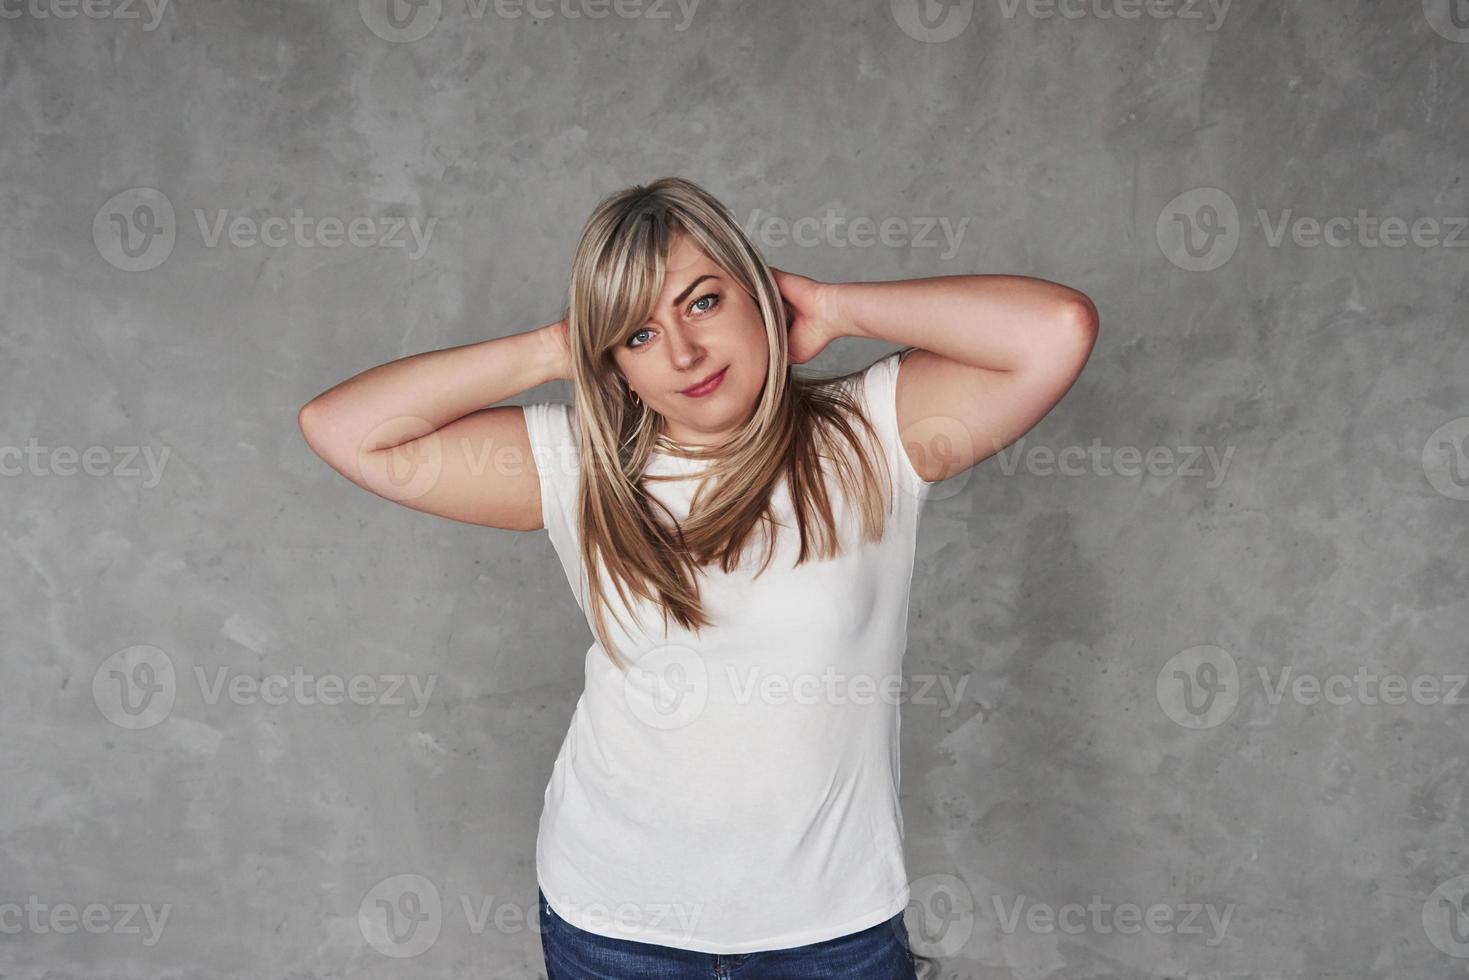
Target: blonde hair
point(798, 422)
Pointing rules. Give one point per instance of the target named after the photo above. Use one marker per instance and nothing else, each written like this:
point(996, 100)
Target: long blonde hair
point(616, 279)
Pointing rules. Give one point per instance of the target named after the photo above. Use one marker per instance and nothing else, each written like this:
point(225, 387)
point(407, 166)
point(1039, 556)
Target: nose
point(683, 350)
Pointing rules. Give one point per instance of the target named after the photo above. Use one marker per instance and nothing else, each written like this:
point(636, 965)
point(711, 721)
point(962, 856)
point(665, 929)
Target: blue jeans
point(880, 952)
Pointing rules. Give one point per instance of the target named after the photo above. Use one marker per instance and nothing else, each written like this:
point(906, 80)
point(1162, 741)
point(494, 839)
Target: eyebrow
point(690, 288)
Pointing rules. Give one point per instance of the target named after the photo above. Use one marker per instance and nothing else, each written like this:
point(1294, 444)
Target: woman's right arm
point(416, 430)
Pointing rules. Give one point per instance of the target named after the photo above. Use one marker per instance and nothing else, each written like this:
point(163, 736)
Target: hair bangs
point(631, 273)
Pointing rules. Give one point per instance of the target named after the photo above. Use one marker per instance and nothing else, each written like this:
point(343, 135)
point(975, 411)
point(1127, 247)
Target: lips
point(707, 385)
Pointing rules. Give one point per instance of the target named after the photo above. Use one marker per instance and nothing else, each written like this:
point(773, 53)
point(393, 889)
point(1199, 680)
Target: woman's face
point(704, 324)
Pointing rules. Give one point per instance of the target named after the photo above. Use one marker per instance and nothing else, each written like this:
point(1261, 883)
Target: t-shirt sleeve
point(551, 429)
point(880, 391)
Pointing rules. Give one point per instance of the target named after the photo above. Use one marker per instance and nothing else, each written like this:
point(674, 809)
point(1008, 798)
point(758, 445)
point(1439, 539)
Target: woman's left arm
point(995, 354)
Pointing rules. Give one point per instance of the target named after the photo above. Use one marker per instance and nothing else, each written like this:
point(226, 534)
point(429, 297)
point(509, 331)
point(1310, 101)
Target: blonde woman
point(740, 538)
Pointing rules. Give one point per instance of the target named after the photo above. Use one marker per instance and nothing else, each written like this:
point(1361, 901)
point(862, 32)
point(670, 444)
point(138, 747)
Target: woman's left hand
point(811, 320)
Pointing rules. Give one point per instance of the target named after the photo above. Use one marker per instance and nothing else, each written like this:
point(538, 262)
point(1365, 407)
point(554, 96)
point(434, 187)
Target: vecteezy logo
point(413, 467)
point(135, 230)
point(1446, 459)
point(1446, 917)
point(400, 20)
point(938, 442)
point(945, 915)
point(135, 688)
point(667, 687)
point(932, 21)
point(1199, 687)
point(1448, 18)
point(401, 916)
point(1199, 229)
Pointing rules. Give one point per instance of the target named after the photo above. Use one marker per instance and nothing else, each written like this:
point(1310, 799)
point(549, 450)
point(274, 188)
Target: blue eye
point(691, 309)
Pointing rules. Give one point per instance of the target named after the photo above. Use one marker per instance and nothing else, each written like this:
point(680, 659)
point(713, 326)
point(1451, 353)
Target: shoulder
point(877, 388)
point(551, 428)
point(880, 378)
point(549, 419)
point(555, 449)
point(869, 385)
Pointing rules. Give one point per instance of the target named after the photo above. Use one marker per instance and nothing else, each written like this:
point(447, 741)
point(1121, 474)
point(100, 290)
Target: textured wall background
point(1188, 661)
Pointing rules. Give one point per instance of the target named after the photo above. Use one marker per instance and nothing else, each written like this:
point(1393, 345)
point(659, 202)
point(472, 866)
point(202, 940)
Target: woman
point(741, 540)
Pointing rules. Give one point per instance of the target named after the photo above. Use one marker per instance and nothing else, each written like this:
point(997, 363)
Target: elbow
point(1082, 323)
point(1082, 318)
point(301, 419)
point(308, 421)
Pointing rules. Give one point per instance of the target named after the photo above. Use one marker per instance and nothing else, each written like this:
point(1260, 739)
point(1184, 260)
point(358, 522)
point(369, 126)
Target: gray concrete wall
point(1187, 662)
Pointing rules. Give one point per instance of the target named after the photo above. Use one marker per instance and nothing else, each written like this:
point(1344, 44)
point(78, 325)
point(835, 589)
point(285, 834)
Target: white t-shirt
point(737, 791)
